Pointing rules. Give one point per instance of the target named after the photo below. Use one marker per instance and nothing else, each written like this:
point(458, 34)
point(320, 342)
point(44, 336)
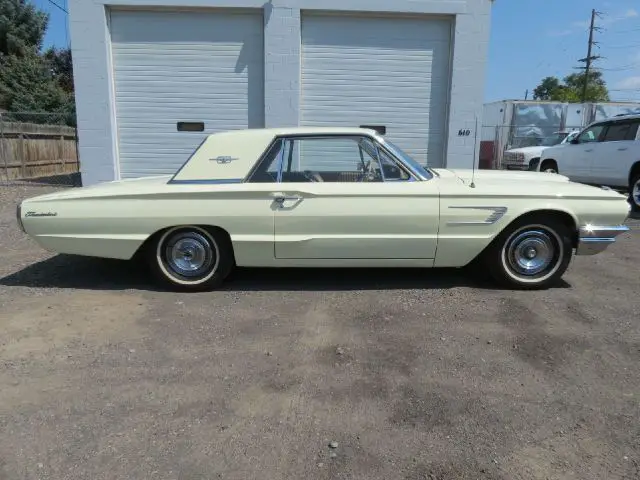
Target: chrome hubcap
point(635, 195)
point(531, 252)
point(189, 254)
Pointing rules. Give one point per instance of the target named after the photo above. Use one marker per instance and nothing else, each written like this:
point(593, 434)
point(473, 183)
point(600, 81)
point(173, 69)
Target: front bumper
point(524, 165)
point(516, 166)
point(593, 240)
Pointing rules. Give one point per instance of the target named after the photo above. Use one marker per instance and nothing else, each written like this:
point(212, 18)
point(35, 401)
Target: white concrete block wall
point(282, 65)
point(471, 44)
point(94, 82)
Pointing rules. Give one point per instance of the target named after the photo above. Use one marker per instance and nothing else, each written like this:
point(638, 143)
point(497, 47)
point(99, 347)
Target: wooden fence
point(30, 150)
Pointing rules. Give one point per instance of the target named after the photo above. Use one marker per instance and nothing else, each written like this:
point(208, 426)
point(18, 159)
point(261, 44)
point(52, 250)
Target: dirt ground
point(415, 374)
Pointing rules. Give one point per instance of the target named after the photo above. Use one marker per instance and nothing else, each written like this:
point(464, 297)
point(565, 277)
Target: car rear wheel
point(634, 196)
point(531, 254)
point(191, 258)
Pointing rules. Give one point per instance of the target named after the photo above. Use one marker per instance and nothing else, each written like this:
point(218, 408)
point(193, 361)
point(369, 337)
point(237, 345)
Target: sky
point(530, 40)
point(533, 39)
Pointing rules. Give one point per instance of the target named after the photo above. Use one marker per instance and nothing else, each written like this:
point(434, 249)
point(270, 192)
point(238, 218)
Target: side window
point(633, 131)
point(591, 134)
point(267, 171)
point(330, 159)
point(620, 131)
point(391, 170)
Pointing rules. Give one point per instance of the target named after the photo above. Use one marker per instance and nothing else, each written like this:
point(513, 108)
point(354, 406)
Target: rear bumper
point(593, 240)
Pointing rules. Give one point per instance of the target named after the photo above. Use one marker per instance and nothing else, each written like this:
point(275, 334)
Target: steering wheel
point(312, 176)
point(366, 167)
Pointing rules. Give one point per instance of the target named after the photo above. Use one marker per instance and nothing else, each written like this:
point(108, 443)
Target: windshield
point(415, 166)
point(552, 140)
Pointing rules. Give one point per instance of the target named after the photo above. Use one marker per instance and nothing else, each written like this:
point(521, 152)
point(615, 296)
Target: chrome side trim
point(496, 214)
point(596, 239)
point(19, 217)
point(213, 181)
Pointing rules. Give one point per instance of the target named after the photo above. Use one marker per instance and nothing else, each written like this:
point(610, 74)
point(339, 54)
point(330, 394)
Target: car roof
point(621, 117)
point(283, 131)
point(230, 156)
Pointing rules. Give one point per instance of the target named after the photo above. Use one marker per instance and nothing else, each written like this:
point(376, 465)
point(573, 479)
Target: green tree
point(22, 27)
point(597, 90)
point(571, 88)
point(27, 85)
point(29, 80)
point(547, 88)
point(61, 66)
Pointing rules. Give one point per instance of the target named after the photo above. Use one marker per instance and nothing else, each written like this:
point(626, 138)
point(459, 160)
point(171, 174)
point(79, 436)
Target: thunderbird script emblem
point(41, 214)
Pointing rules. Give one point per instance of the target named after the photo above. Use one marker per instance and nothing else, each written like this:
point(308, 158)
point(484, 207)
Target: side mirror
point(574, 141)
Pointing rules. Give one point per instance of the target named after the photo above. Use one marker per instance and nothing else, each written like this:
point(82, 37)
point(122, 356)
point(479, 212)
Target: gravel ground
point(414, 374)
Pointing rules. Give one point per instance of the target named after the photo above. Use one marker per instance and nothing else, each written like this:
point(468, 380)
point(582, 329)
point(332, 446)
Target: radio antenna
point(475, 148)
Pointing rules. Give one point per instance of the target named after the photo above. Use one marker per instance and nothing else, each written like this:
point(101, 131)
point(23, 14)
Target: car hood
point(505, 176)
point(527, 150)
point(524, 184)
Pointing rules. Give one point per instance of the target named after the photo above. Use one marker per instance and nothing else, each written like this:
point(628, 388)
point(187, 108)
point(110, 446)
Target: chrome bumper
point(593, 240)
point(515, 166)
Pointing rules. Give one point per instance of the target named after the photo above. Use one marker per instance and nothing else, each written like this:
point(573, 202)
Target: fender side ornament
point(495, 214)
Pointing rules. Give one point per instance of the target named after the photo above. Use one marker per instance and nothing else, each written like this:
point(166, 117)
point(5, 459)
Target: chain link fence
point(38, 147)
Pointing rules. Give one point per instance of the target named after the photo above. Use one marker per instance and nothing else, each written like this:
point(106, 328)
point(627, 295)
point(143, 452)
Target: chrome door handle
point(589, 150)
point(622, 149)
point(283, 198)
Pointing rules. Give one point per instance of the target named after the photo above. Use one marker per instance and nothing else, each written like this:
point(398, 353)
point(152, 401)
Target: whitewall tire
point(532, 253)
point(191, 258)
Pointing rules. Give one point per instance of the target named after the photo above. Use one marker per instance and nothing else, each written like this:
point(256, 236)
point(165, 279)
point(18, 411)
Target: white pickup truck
point(527, 158)
point(606, 153)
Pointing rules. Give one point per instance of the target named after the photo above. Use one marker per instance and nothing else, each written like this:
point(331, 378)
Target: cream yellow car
point(328, 197)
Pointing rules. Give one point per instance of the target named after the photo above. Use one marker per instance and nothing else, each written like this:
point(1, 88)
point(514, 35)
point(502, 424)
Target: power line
point(617, 32)
point(622, 68)
point(66, 26)
point(620, 47)
point(59, 6)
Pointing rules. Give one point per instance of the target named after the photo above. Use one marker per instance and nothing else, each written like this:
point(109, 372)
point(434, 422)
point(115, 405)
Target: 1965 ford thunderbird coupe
point(328, 197)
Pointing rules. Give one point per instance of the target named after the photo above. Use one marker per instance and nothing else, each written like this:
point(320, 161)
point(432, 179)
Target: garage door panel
point(389, 71)
point(380, 32)
point(204, 66)
point(178, 28)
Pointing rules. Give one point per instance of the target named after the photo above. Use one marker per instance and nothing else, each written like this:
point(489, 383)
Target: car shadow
point(86, 273)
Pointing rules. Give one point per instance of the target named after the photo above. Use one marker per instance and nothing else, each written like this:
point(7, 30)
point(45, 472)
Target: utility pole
point(590, 58)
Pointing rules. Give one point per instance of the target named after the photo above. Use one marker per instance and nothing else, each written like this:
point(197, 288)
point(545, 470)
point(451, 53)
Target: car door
point(616, 153)
point(346, 197)
point(578, 156)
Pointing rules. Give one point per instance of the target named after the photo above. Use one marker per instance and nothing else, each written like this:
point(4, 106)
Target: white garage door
point(170, 67)
point(387, 71)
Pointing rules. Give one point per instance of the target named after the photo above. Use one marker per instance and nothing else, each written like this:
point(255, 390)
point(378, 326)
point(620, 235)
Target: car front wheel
point(191, 258)
point(635, 193)
point(531, 254)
